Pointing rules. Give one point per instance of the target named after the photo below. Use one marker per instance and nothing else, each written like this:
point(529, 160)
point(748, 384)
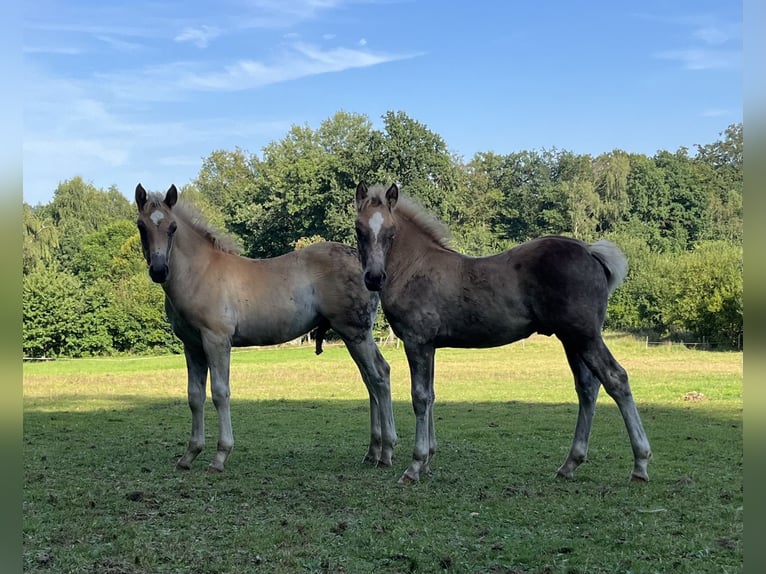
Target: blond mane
point(192, 217)
point(409, 209)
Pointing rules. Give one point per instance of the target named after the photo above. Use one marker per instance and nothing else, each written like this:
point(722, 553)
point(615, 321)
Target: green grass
point(101, 494)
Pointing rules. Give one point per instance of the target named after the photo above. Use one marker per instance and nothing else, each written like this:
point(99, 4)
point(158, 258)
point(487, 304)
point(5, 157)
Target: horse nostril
point(159, 273)
point(374, 282)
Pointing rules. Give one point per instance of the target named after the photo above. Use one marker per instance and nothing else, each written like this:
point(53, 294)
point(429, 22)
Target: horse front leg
point(219, 356)
point(375, 372)
point(421, 362)
point(196, 367)
point(587, 387)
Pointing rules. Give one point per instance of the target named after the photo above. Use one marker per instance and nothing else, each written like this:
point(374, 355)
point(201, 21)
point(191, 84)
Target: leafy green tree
point(532, 205)
point(227, 184)
point(649, 211)
point(637, 305)
point(574, 177)
point(289, 197)
point(138, 323)
point(79, 208)
point(98, 251)
point(129, 260)
point(420, 161)
point(679, 219)
point(611, 172)
point(41, 240)
point(726, 153)
point(476, 228)
point(706, 298)
point(720, 165)
point(51, 312)
point(687, 197)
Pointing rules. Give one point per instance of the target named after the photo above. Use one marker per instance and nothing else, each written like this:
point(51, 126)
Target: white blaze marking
point(157, 216)
point(375, 223)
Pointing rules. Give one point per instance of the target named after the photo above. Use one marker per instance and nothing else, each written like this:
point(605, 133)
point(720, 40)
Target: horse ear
point(171, 196)
point(361, 193)
point(140, 197)
point(392, 196)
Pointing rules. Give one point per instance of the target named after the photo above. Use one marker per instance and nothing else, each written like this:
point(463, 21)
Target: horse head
point(375, 230)
point(157, 226)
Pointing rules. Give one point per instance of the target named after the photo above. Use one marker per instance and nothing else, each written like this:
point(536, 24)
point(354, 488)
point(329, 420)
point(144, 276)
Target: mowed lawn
point(101, 494)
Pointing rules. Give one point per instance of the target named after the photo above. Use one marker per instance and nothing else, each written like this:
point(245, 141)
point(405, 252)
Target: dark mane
point(411, 210)
point(192, 217)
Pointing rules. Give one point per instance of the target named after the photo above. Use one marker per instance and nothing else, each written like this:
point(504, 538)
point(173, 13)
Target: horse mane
point(194, 218)
point(409, 209)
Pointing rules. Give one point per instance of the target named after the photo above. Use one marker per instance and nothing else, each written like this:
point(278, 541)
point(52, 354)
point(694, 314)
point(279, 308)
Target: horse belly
point(272, 323)
point(459, 326)
point(480, 333)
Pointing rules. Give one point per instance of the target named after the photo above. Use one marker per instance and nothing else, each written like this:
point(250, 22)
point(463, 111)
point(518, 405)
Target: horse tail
point(319, 334)
point(613, 260)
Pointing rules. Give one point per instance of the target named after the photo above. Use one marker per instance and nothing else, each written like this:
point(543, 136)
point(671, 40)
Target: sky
point(144, 91)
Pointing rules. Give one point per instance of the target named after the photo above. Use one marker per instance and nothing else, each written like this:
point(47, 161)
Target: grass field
point(101, 494)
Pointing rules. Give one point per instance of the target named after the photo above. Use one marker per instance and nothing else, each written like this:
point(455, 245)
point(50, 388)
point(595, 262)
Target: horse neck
point(411, 245)
point(189, 256)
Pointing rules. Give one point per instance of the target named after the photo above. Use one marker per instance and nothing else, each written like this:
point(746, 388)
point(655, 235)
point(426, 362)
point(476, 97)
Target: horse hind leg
point(587, 387)
point(196, 367)
point(615, 380)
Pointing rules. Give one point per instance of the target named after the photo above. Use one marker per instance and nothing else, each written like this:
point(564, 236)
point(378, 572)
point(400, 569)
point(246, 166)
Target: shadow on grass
point(101, 493)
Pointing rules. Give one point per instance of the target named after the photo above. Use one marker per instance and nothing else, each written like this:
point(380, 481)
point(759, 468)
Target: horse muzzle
point(374, 281)
point(158, 269)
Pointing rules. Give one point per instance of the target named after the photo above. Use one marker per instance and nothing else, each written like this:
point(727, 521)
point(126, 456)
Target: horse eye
point(172, 228)
point(141, 225)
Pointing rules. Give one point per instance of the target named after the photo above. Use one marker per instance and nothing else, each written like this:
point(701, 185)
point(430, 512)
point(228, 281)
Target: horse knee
point(384, 368)
point(221, 396)
point(618, 386)
point(421, 399)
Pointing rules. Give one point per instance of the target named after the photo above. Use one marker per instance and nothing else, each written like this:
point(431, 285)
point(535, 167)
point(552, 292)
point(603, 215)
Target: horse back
point(547, 285)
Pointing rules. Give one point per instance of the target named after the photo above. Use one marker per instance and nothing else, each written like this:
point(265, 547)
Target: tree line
point(677, 215)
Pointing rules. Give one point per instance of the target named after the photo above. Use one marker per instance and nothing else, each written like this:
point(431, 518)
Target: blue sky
point(119, 93)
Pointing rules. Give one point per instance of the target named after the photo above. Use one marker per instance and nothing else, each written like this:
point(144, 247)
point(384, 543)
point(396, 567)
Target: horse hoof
point(182, 466)
point(214, 469)
point(407, 479)
point(639, 478)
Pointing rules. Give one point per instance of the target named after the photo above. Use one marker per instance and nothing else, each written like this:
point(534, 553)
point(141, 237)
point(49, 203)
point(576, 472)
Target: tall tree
point(574, 176)
point(79, 208)
point(419, 160)
point(532, 203)
point(720, 165)
point(41, 239)
point(611, 172)
point(687, 197)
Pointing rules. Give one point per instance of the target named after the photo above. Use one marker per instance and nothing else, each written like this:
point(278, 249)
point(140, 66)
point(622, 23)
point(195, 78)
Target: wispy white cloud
point(712, 43)
point(199, 36)
point(712, 35)
point(112, 123)
point(716, 113)
point(283, 13)
point(119, 44)
point(52, 50)
point(300, 60)
point(703, 58)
